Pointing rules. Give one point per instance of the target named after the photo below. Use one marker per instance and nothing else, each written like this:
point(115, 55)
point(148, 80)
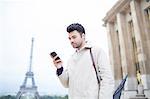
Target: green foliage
point(54, 97)
point(42, 97)
point(7, 97)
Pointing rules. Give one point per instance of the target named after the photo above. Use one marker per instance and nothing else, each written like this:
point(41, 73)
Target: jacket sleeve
point(64, 78)
point(107, 80)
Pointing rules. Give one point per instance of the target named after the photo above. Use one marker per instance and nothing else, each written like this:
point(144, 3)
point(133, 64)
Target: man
point(80, 76)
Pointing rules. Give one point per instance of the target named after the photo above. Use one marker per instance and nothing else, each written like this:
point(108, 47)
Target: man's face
point(76, 39)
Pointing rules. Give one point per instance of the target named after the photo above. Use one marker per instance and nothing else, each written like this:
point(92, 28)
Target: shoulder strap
point(94, 66)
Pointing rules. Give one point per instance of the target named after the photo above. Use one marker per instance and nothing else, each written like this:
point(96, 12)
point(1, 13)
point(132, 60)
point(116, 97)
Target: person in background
point(88, 74)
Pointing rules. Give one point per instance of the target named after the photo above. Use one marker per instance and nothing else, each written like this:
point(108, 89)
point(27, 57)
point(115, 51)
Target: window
point(147, 15)
point(147, 22)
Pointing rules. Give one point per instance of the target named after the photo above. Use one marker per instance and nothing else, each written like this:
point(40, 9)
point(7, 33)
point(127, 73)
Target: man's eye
point(73, 37)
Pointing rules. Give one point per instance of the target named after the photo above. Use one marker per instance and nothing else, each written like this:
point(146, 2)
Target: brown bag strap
point(98, 80)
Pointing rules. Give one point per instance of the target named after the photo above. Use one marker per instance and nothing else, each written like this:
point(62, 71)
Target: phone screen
point(53, 54)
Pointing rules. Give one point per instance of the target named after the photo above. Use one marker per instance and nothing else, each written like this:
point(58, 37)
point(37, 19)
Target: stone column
point(115, 58)
point(146, 39)
point(139, 36)
point(141, 41)
point(126, 54)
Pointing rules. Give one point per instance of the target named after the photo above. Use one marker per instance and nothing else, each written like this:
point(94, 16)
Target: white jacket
point(80, 76)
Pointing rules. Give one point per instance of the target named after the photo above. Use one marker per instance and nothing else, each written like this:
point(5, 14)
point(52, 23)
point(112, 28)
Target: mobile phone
point(53, 54)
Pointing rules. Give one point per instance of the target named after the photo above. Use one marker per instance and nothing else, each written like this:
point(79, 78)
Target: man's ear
point(83, 35)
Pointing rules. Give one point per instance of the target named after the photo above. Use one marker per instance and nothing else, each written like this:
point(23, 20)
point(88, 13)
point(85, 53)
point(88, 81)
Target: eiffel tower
point(30, 92)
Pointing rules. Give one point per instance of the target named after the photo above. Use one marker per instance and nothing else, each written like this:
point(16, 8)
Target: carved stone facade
point(128, 29)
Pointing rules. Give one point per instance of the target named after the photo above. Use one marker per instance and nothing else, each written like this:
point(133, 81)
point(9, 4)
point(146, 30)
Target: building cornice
point(118, 7)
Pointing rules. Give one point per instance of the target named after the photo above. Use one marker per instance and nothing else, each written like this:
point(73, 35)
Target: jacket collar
point(87, 45)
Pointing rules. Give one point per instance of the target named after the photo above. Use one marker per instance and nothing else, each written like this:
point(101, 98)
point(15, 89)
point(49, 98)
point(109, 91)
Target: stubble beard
point(78, 46)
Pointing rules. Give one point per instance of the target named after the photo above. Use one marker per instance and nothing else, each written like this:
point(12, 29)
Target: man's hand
point(57, 62)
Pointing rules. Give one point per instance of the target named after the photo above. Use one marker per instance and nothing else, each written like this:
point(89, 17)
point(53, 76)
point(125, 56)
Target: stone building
point(128, 29)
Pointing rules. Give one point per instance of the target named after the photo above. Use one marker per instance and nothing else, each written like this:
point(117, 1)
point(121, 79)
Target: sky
point(46, 21)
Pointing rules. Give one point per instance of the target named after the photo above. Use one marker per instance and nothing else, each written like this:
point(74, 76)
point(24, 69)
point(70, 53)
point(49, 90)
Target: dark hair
point(76, 26)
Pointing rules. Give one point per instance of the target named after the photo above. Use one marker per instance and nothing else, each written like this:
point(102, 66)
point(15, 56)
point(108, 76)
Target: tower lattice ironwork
point(24, 88)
